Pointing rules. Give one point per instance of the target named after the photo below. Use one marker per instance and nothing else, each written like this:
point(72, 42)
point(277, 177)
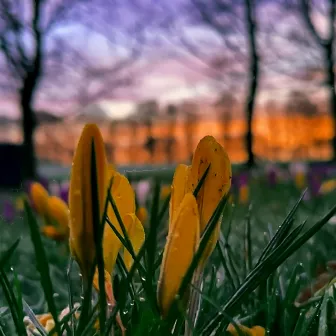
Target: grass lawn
point(271, 305)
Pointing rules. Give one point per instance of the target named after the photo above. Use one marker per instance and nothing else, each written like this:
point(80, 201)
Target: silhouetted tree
point(225, 107)
point(170, 141)
point(190, 114)
point(225, 19)
point(327, 45)
point(298, 102)
point(31, 51)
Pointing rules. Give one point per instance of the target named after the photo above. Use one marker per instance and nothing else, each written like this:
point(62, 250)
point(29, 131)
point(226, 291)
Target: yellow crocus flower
point(181, 246)
point(183, 237)
point(328, 186)
point(244, 194)
point(254, 331)
point(216, 185)
point(142, 214)
point(39, 196)
point(300, 180)
point(81, 240)
point(58, 212)
point(165, 191)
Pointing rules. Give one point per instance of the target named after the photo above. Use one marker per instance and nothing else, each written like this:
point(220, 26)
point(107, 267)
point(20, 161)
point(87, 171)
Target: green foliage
point(253, 277)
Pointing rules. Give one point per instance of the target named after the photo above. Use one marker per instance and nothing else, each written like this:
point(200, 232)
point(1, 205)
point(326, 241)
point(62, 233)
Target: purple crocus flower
point(64, 192)
point(242, 179)
point(314, 180)
point(8, 211)
point(272, 174)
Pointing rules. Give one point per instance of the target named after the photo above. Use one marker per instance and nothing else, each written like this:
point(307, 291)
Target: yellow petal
point(178, 190)
point(182, 243)
point(111, 245)
point(59, 212)
point(136, 235)
point(124, 198)
point(51, 232)
point(39, 196)
point(108, 286)
point(165, 191)
point(258, 331)
point(80, 202)
point(244, 194)
point(110, 298)
point(123, 194)
point(142, 214)
point(218, 180)
point(233, 331)
point(216, 185)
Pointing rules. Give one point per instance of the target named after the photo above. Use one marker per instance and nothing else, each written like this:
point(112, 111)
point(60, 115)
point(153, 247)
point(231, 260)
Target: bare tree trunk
point(329, 60)
point(253, 79)
point(327, 46)
point(27, 94)
point(28, 127)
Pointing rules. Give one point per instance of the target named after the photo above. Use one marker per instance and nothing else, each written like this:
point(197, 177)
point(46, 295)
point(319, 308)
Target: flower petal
point(218, 180)
point(59, 212)
point(178, 190)
point(80, 202)
point(136, 235)
point(182, 243)
point(258, 331)
point(216, 185)
point(39, 196)
point(51, 232)
point(124, 198)
point(142, 214)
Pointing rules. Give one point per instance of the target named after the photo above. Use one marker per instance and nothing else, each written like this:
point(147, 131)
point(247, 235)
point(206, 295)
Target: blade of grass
point(42, 263)
point(201, 181)
point(248, 242)
point(225, 265)
point(98, 231)
point(8, 253)
point(18, 293)
point(70, 297)
point(152, 235)
point(12, 303)
point(33, 318)
point(283, 229)
point(264, 269)
point(128, 245)
point(305, 322)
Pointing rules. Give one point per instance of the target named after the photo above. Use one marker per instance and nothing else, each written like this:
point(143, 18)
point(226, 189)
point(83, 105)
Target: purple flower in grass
point(8, 211)
point(64, 191)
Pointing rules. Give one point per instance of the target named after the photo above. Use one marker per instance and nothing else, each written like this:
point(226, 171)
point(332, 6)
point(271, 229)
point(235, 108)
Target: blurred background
point(158, 75)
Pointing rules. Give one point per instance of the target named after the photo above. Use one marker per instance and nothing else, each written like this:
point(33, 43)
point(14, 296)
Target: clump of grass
point(241, 284)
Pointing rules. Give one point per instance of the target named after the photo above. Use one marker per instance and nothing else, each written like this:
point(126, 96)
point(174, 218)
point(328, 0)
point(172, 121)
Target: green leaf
point(265, 268)
point(12, 303)
point(8, 253)
point(34, 319)
point(98, 231)
point(42, 263)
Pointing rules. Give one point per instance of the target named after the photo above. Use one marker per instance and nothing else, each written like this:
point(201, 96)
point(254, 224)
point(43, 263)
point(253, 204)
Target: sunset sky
point(170, 73)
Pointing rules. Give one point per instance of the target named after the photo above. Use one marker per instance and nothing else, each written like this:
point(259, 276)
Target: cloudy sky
point(174, 64)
